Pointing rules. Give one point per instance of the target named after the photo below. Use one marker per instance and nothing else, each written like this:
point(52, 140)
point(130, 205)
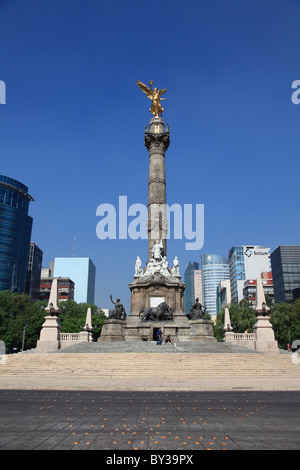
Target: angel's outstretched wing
point(161, 92)
point(145, 89)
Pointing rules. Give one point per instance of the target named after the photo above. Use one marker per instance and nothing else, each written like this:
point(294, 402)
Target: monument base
point(195, 331)
point(49, 336)
point(149, 293)
point(202, 330)
point(112, 330)
point(264, 336)
point(147, 331)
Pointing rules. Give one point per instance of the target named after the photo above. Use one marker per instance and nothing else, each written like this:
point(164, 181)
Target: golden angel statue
point(154, 95)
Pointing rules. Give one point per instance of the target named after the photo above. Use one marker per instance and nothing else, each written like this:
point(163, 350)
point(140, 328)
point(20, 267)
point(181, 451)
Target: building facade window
point(15, 234)
point(215, 269)
point(286, 272)
point(189, 280)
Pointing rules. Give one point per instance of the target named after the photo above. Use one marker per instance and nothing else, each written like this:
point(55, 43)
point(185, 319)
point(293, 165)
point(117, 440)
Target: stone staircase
point(147, 360)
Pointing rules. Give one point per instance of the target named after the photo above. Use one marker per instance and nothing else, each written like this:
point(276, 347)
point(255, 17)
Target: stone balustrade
point(244, 337)
point(70, 337)
point(241, 339)
point(67, 339)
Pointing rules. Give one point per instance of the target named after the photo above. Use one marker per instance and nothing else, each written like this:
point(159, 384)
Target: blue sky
point(72, 128)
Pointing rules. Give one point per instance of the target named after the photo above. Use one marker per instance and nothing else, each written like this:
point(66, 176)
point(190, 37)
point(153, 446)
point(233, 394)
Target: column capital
point(157, 141)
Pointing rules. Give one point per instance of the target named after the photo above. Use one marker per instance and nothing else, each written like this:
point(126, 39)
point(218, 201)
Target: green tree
point(281, 323)
point(17, 311)
point(72, 317)
point(285, 321)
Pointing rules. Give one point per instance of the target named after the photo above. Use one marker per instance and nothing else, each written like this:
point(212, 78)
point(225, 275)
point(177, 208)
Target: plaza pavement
point(158, 422)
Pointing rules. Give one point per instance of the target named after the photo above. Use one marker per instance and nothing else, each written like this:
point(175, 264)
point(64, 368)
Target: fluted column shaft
point(157, 141)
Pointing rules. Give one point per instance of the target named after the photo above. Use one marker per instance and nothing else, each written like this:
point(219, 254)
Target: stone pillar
point(49, 336)
point(88, 324)
point(229, 335)
point(50, 332)
point(264, 334)
point(157, 142)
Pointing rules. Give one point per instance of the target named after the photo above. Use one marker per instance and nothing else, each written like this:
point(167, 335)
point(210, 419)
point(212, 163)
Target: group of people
point(159, 340)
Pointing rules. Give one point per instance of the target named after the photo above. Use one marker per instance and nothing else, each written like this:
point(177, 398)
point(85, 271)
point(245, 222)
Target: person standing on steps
point(158, 337)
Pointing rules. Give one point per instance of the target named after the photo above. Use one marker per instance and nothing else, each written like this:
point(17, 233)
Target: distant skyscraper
point(215, 269)
point(286, 273)
point(246, 262)
point(189, 280)
point(15, 234)
point(224, 295)
point(82, 272)
point(34, 268)
point(198, 285)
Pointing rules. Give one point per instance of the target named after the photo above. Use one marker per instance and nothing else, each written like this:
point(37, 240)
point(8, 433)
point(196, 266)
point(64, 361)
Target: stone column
point(49, 336)
point(157, 142)
point(50, 332)
point(88, 325)
point(229, 335)
point(264, 334)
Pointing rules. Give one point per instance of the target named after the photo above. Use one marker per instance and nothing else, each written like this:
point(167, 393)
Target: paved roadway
point(134, 421)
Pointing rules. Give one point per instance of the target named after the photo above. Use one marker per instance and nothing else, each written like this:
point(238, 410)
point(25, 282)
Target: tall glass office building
point(82, 271)
point(34, 268)
point(189, 293)
point(215, 269)
point(246, 262)
point(237, 272)
point(15, 234)
point(286, 273)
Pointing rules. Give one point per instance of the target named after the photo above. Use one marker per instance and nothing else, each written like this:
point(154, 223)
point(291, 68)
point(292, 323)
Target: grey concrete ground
point(184, 422)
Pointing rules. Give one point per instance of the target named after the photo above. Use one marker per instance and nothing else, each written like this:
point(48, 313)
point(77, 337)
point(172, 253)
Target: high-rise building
point(15, 234)
point(65, 288)
point(34, 268)
point(223, 295)
point(215, 269)
point(286, 273)
point(193, 285)
point(249, 291)
point(83, 272)
point(246, 262)
point(198, 285)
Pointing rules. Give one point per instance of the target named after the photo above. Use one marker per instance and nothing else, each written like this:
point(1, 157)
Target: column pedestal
point(264, 336)
point(112, 330)
point(202, 331)
point(49, 336)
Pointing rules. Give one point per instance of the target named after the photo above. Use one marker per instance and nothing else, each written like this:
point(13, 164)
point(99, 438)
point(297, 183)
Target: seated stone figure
point(118, 313)
point(197, 311)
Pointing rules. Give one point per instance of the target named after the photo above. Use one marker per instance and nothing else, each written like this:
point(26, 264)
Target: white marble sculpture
point(164, 267)
point(157, 250)
point(175, 270)
point(138, 269)
point(150, 269)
